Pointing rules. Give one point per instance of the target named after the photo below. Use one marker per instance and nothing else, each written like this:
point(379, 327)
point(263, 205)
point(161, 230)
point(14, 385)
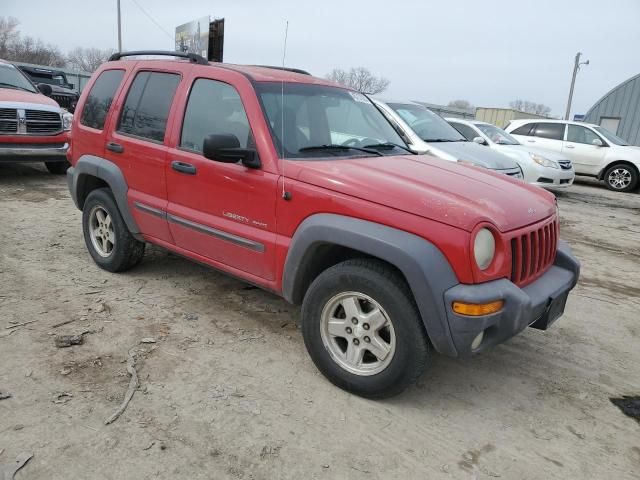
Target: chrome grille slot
point(43, 122)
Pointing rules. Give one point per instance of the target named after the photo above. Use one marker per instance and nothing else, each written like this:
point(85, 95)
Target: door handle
point(183, 167)
point(115, 147)
point(570, 146)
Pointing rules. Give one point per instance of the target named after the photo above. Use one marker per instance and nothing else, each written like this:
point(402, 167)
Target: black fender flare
point(110, 173)
point(424, 266)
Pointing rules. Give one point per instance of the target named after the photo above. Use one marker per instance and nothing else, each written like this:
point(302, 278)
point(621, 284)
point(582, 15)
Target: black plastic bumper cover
point(537, 304)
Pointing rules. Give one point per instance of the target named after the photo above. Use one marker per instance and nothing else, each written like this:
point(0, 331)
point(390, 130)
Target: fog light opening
point(477, 341)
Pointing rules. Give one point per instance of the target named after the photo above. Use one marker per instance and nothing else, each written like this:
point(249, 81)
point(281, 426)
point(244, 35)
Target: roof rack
point(192, 57)
point(286, 69)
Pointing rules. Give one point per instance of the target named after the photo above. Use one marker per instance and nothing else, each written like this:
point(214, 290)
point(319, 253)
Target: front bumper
point(537, 304)
point(33, 152)
point(546, 177)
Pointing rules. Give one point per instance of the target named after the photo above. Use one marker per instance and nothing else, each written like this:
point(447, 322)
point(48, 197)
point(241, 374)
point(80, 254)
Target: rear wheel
point(362, 329)
point(621, 178)
point(57, 168)
point(106, 235)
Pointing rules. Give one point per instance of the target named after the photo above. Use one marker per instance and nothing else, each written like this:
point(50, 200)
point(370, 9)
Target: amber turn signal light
point(477, 309)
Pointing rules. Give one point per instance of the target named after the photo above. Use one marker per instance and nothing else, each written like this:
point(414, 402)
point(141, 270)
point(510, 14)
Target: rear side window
point(552, 131)
point(466, 131)
point(146, 109)
point(96, 107)
point(214, 108)
point(524, 130)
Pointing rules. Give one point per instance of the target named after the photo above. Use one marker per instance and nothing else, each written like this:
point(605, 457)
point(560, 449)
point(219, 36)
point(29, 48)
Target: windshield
point(611, 137)
point(11, 77)
point(54, 79)
point(427, 125)
point(497, 135)
point(317, 121)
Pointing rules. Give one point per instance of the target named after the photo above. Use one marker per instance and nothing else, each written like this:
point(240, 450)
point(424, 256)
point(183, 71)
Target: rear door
point(579, 148)
point(136, 142)
point(224, 212)
point(547, 135)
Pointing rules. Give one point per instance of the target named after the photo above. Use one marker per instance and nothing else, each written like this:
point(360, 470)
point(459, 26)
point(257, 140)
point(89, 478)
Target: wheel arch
point(91, 172)
point(618, 162)
point(323, 240)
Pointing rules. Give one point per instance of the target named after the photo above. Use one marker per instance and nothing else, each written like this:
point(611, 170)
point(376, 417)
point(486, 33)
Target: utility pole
point(120, 30)
point(576, 67)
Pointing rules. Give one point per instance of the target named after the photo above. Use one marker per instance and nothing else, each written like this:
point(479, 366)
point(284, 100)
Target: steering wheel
point(354, 142)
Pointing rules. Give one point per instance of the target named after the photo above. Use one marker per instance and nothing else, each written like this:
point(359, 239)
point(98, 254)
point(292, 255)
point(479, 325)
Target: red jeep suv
point(302, 187)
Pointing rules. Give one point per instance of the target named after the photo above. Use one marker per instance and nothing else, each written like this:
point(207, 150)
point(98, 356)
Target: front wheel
point(621, 178)
point(57, 168)
point(362, 329)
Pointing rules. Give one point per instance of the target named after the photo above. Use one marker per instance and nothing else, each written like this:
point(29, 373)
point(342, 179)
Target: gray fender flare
point(109, 172)
point(423, 265)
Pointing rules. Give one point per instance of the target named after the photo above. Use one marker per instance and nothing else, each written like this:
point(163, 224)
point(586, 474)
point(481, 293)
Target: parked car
point(539, 167)
point(427, 132)
point(593, 150)
point(302, 187)
point(62, 90)
point(33, 127)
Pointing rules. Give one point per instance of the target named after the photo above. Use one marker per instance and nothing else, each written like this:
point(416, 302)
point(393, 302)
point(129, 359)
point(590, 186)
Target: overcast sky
point(486, 51)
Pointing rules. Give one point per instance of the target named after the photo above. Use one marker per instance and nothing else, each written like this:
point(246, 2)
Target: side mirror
point(70, 86)
point(479, 140)
point(45, 89)
point(226, 148)
point(597, 142)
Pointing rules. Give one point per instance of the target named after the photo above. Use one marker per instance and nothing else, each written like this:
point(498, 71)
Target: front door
point(587, 158)
point(224, 212)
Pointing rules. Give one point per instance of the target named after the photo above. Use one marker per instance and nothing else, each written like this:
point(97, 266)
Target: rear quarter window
point(551, 131)
point(523, 130)
point(100, 98)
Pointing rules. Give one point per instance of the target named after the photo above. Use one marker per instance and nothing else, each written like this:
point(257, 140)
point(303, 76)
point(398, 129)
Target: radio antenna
point(286, 195)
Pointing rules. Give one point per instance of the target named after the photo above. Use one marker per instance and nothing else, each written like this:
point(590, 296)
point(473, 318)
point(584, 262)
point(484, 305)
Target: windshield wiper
point(441, 140)
point(16, 87)
point(388, 145)
point(338, 147)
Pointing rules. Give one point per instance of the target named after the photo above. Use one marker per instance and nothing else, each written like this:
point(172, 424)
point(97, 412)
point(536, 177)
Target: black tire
point(57, 168)
point(381, 283)
point(126, 252)
point(615, 173)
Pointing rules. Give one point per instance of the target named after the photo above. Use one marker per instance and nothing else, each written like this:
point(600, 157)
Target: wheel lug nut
point(356, 341)
point(365, 326)
point(354, 320)
point(348, 330)
point(367, 339)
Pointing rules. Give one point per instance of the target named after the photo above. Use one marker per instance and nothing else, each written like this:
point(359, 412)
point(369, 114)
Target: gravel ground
point(227, 390)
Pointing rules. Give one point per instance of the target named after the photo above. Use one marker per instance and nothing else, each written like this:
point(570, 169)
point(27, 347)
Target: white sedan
point(539, 167)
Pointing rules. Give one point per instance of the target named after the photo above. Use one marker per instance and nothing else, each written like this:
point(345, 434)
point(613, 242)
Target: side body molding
point(93, 166)
point(424, 266)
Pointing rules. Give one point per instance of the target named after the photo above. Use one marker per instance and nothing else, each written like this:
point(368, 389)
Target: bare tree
point(530, 107)
point(360, 79)
point(15, 47)
point(465, 104)
point(88, 59)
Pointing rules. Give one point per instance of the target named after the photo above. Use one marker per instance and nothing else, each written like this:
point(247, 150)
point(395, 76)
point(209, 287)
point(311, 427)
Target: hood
point(446, 192)
point(472, 152)
point(26, 99)
point(522, 151)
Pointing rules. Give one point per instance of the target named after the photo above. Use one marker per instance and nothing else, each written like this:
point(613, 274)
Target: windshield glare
point(11, 77)
point(611, 137)
point(496, 135)
point(308, 116)
point(427, 125)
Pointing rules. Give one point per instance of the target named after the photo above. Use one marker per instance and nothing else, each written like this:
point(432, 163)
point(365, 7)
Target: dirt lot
point(227, 390)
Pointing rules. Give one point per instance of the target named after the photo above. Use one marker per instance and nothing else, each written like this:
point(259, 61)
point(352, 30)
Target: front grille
point(8, 120)
point(41, 122)
point(533, 252)
point(65, 101)
point(565, 164)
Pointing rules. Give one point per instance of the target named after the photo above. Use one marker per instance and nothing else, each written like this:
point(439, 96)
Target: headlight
point(484, 248)
point(545, 162)
point(67, 118)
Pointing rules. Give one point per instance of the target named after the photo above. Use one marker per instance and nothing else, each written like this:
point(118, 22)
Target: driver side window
point(214, 108)
point(578, 134)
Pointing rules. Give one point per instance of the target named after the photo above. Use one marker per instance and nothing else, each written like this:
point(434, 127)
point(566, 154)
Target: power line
point(153, 20)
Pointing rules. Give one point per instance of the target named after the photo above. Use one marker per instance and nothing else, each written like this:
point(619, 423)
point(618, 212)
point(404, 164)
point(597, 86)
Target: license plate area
point(554, 310)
